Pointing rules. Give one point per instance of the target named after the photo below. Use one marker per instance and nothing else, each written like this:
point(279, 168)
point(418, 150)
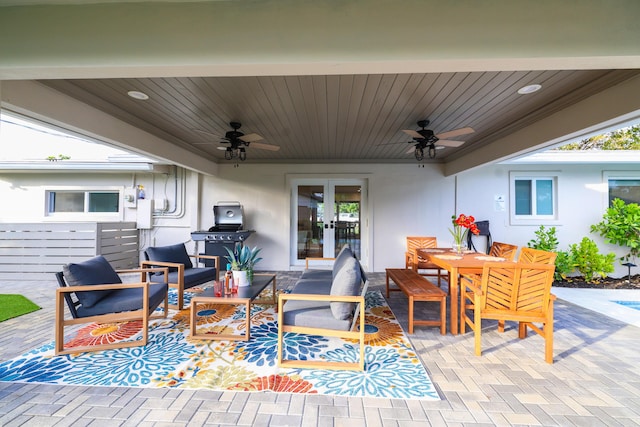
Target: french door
point(326, 215)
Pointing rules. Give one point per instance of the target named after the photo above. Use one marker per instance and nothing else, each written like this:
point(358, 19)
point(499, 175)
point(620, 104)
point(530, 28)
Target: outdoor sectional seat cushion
point(313, 286)
point(192, 276)
point(126, 300)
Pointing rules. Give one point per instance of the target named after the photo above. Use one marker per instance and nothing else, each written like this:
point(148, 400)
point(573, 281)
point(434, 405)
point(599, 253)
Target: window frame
point(534, 218)
point(85, 215)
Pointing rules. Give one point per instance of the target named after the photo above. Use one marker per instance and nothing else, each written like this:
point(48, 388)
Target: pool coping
point(602, 301)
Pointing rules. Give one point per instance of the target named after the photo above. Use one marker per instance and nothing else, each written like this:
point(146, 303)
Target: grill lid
point(228, 216)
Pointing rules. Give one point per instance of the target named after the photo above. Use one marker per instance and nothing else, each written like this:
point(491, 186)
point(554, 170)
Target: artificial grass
point(14, 305)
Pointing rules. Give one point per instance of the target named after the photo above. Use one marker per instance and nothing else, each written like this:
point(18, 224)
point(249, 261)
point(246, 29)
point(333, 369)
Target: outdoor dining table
point(456, 264)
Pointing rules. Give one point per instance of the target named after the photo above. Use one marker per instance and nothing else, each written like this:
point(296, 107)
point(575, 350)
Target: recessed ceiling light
point(529, 89)
point(135, 94)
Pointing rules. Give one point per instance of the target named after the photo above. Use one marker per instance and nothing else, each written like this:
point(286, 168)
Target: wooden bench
point(417, 288)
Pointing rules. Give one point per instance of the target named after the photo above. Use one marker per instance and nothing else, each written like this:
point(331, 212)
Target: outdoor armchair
point(182, 273)
point(94, 293)
point(325, 306)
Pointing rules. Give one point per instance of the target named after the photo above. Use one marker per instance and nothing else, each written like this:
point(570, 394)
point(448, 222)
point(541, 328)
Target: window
point(533, 197)
point(625, 189)
point(86, 202)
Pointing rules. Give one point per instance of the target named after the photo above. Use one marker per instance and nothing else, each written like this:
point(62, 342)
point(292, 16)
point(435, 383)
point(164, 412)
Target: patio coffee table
point(246, 295)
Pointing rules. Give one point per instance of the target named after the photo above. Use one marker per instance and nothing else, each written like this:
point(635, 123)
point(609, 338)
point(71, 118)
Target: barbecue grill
point(226, 232)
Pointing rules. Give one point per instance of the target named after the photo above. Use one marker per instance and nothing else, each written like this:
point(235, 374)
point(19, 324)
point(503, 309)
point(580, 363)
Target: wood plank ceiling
point(341, 118)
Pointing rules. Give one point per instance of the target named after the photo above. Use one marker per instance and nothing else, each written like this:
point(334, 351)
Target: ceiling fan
point(425, 139)
point(236, 143)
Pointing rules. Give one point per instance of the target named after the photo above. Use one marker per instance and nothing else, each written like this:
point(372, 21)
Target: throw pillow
point(346, 282)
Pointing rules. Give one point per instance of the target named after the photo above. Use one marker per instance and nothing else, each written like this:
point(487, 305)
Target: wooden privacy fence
point(34, 251)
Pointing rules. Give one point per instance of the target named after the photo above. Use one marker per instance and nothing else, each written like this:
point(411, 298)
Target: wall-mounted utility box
point(160, 204)
point(144, 218)
point(130, 196)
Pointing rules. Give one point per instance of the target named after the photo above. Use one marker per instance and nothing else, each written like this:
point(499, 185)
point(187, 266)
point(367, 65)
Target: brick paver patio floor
point(595, 380)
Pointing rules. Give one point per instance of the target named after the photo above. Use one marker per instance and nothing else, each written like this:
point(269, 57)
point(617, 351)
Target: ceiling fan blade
point(412, 133)
point(411, 150)
point(252, 137)
point(449, 143)
point(262, 146)
point(454, 133)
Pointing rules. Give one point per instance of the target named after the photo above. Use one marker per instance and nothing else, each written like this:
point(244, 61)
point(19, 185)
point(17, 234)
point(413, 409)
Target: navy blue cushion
point(192, 277)
point(95, 271)
point(173, 253)
point(122, 300)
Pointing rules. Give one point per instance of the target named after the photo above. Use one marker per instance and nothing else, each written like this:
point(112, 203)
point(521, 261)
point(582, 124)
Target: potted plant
point(242, 260)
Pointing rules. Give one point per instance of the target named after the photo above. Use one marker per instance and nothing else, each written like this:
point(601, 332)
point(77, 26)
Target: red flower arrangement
point(461, 225)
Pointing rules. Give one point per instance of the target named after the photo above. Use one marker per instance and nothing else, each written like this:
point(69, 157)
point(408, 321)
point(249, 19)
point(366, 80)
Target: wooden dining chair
point(511, 291)
point(498, 249)
point(531, 255)
point(503, 250)
point(415, 262)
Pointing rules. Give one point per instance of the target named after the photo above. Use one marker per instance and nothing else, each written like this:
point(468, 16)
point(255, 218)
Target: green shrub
point(564, 265)
point(545, 240)
point(621, 226)
point(587, 259)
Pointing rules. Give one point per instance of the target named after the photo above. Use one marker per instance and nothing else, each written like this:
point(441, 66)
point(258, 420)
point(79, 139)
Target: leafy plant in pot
point(242, 260)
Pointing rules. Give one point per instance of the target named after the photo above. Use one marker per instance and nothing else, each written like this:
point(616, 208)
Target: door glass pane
point(310, 221)
point(347, 217)
point(523, 196)
point(544, 197)
point(103, 202)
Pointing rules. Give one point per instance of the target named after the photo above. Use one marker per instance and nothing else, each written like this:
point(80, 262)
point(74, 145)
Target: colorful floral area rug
point(172, 359)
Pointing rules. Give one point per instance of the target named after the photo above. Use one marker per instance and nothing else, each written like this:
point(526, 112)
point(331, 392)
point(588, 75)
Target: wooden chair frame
point(64, 293)
point(414, 262)
point(537, 256)
point(512, 291)
point(180, 285)
point(355, 332)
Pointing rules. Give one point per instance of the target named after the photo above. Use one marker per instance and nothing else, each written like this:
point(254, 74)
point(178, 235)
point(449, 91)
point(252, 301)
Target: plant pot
point(241, 278)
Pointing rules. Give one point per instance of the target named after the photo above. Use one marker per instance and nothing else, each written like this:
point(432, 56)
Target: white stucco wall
point(402, 200)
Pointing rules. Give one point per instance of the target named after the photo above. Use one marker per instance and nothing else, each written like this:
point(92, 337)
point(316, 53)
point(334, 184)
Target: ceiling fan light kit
point(426, 139)
point(238, 142)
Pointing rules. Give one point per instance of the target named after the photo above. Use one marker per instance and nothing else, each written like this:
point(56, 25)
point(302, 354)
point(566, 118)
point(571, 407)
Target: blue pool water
point(631, 304)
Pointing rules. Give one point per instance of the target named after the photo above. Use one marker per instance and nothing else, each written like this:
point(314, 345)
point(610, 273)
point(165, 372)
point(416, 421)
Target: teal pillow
point(346, 282)
point(95, 271)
